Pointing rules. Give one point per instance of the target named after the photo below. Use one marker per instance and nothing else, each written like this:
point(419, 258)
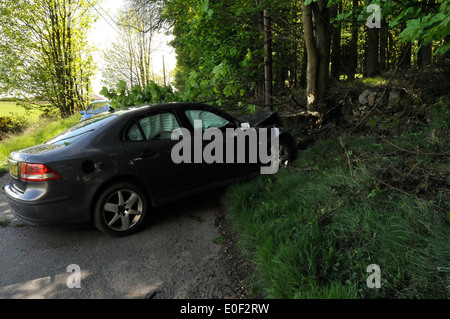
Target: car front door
point(222, 167)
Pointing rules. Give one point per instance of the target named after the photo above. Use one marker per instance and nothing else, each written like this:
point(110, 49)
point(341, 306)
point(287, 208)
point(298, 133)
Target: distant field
point(6, 108)
point(37, 133)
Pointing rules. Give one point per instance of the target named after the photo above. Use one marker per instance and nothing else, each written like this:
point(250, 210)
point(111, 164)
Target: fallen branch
point(416, 153)
point(393, 187)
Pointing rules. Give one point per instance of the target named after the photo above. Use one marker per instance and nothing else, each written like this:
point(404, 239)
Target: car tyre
point(285, 154)
point(120, 209)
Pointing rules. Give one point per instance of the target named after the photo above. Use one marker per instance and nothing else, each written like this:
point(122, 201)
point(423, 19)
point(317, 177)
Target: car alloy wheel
point(120, 210)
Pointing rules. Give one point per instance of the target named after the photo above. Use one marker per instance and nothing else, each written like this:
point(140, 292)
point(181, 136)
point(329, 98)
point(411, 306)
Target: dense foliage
point(221, 48)
point(44, 52)
point(122, 97)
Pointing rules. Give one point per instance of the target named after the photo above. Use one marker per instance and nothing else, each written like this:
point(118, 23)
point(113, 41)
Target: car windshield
point(81, 129)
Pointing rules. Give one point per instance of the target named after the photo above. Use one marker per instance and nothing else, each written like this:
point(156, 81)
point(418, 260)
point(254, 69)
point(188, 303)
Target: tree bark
point(303, 68)
point(312, 55)
point(323, 42)
point(405, 57)
point(353, 61)
point(267, 61)
point(391, 53)
point(383, 45)
point(424, 56)
point(336, 45)
point(372, 62)
point(318, 44)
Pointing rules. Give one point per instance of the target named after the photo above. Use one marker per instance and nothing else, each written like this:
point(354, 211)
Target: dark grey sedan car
point(112, 168)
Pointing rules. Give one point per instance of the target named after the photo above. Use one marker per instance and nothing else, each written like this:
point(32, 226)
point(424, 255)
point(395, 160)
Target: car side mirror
point(111, 110)
point(82, 112)
point(245, 126)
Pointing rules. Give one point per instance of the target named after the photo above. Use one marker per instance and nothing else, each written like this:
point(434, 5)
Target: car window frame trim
point(135, 120)
point(204, 107)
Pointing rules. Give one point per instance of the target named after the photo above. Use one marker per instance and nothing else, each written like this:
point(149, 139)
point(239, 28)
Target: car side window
point(134, 134)
point(155, 127)
point(209, 119)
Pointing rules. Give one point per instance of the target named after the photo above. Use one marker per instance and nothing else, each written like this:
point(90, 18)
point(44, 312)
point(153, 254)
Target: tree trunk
point(303, 68)
point(383, 45)
point(391, 55)
point(405, 57)
point(425, 56)
point(312, 55)
point(336, 45)
point(318, 44)
point(372, 62)
point(353, 61)
point(70, 72)
point(323, 42)
point(267, 61)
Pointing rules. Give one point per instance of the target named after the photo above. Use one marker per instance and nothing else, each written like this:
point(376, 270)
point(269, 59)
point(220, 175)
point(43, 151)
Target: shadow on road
point(173, 256)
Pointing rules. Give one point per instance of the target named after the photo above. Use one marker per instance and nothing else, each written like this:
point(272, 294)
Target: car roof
point(160, 106)
point(128, 112)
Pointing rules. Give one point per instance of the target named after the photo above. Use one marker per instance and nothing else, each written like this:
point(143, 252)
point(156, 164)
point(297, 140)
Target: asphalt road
point(173, 256)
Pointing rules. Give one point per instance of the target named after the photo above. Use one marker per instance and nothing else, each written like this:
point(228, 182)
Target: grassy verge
point(11, 108)
point(37, 133)
point(363, 200)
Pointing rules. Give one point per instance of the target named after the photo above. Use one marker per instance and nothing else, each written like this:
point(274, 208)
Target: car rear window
point(79, 130)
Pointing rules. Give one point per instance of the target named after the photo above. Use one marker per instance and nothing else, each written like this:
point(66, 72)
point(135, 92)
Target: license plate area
point(13, 169)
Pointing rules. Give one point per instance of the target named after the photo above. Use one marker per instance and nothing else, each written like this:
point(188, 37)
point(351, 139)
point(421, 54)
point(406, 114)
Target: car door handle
point(148, 154)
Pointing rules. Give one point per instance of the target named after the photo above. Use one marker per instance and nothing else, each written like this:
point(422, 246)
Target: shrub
point(12, 124)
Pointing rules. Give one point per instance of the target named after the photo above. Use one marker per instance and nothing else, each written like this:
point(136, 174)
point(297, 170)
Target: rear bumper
point(59, 210)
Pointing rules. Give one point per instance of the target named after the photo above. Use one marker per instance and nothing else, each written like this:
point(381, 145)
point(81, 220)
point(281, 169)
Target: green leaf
point(443, 49)
point(105, 92)
point(205, 5)
point(411, 31)
point(121, 86)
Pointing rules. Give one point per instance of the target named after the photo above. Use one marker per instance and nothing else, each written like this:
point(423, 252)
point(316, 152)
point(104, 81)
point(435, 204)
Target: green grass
point(361, 82)
point(374, 81)
point(9, 108)
point(38, 133)
point(313, 234)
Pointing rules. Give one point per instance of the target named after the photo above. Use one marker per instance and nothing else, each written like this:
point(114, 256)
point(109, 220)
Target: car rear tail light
point(37, 173)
